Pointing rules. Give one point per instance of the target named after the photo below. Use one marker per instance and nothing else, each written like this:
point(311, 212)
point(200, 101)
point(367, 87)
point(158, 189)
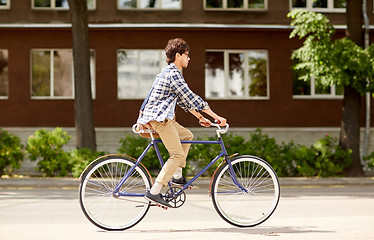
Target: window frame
point(51, 62)
point(54, 8)
point(138, 72)
point(314, 95)
point(7, 6)
point(247, 81)
point(7, 96)
point(309, 7)
point(149, 9)
point(245, 7)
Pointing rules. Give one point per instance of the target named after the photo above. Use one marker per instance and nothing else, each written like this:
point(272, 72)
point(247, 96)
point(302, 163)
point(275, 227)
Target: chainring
point(174, 199)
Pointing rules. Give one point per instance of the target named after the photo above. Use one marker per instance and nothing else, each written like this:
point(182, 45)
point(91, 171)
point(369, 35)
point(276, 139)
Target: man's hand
point(204, 122)
point(221, 121)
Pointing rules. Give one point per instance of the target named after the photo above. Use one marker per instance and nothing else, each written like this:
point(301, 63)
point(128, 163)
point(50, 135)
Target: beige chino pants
point(171, 133)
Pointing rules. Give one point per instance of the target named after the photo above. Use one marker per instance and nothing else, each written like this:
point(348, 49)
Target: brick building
point(240, 63)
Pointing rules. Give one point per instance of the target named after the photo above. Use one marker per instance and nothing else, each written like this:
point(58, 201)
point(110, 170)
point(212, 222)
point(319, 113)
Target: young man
point(158, 112)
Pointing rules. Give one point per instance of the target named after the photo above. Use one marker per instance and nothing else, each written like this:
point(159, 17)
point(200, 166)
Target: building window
point(137, 70)
point(320, 5)
point(58, 4)
point(4, 4)
point(53, 74)
point(235, 4)
point(149, 4)
point(312, 89)
point(3, 73)
point(233, 74)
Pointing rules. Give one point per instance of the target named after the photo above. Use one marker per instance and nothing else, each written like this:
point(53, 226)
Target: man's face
point(185, 59)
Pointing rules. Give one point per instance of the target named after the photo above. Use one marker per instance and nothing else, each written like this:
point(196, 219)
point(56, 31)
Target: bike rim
point(97, 200)
point(259, 199)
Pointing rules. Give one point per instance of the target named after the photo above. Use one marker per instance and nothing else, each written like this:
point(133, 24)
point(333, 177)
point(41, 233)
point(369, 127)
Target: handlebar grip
point(220, 130)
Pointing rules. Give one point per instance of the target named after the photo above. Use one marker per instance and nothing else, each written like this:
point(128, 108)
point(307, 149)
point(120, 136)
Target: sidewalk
point(66, 182)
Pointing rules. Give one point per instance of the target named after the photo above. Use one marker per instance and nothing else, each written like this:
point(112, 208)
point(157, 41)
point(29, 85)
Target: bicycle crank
point(175, 196)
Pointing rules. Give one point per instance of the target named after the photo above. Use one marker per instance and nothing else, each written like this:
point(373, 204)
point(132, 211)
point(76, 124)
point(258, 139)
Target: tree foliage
point(340, 61)
point(11, 154)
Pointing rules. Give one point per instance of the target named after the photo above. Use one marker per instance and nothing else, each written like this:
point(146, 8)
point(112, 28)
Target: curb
point(73, 183)
point(38, 182)
point(328, 181)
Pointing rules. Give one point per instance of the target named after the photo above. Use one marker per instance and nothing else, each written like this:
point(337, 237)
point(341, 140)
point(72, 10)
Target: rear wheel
point(255, 201)
point(114, 211)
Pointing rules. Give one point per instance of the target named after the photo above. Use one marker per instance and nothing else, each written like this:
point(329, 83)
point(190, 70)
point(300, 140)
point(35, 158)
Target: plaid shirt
point(170, 86)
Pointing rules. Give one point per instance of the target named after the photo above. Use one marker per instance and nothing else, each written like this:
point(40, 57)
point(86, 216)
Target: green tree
point(340, 62)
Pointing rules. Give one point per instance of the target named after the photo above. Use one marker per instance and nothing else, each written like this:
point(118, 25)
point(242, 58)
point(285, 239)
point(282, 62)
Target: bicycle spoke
point(114, 211)
point(253, 204)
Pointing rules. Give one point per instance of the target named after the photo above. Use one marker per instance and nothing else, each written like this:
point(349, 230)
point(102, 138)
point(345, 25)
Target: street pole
point(368, 94)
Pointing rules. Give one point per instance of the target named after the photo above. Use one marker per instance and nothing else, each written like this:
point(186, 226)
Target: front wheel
point(247, 195)
point(107, 209)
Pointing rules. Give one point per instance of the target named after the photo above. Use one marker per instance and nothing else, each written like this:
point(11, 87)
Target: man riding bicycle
point(158, 112)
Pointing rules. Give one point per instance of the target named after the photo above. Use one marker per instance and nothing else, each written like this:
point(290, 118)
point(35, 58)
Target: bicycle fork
point(231, 169)
point(233, 176)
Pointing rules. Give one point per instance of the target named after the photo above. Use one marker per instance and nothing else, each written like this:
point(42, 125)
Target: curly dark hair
point(174, 46)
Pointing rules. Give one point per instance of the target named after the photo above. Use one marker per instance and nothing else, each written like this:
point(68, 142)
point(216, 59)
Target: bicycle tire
point(255, 204)
point(101, 206)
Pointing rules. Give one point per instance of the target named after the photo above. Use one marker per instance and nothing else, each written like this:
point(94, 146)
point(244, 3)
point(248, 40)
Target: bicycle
point(244, 189)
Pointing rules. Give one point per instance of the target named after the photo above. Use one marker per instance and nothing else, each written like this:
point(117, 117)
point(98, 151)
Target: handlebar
point(220, 131)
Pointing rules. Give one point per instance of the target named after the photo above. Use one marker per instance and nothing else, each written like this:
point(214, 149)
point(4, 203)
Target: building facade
point(240, 61)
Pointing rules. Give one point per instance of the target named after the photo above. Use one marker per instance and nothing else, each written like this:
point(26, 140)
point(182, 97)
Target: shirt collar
point(172, 65)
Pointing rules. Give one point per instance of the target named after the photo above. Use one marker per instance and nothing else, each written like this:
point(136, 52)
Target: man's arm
point(205, 122)
point(220, 120)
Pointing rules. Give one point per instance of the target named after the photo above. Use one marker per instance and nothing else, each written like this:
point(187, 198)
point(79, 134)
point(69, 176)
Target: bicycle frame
point(154, 143)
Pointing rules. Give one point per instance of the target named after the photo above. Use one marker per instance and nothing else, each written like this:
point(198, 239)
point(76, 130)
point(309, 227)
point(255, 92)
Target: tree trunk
point(350, 125)
point(350, 129)
point(355, 32)
point(84, 121)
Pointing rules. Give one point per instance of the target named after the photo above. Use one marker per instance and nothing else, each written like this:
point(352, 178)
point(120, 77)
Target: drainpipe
point(368, 94)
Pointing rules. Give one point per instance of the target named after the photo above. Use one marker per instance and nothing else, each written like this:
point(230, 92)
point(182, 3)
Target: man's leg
point(186, 135)
point(169, 133)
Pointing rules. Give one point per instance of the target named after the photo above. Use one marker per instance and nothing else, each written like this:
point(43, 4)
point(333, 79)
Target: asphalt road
point(304, 212)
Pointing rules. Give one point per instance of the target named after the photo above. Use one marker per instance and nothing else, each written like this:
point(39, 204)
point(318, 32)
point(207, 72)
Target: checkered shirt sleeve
point(186, 99)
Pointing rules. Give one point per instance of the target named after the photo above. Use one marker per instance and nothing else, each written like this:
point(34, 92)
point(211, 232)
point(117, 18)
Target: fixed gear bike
point(244, 189)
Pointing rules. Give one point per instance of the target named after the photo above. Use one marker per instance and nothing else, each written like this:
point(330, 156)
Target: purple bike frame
point(154, 143)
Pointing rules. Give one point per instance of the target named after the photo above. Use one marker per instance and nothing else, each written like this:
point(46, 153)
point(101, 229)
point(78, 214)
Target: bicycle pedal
point(161, 206)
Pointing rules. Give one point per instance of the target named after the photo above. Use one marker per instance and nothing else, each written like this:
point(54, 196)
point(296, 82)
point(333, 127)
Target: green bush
point(46, 146)
point(370, 160)
point(259, 145)
point(11, 154)
point(80, 158)
point(204, 153)
point(303, 159)
point(371, 163)
point(330, 159)
point(280, 157)
point(324, 158)
point(134, 147)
